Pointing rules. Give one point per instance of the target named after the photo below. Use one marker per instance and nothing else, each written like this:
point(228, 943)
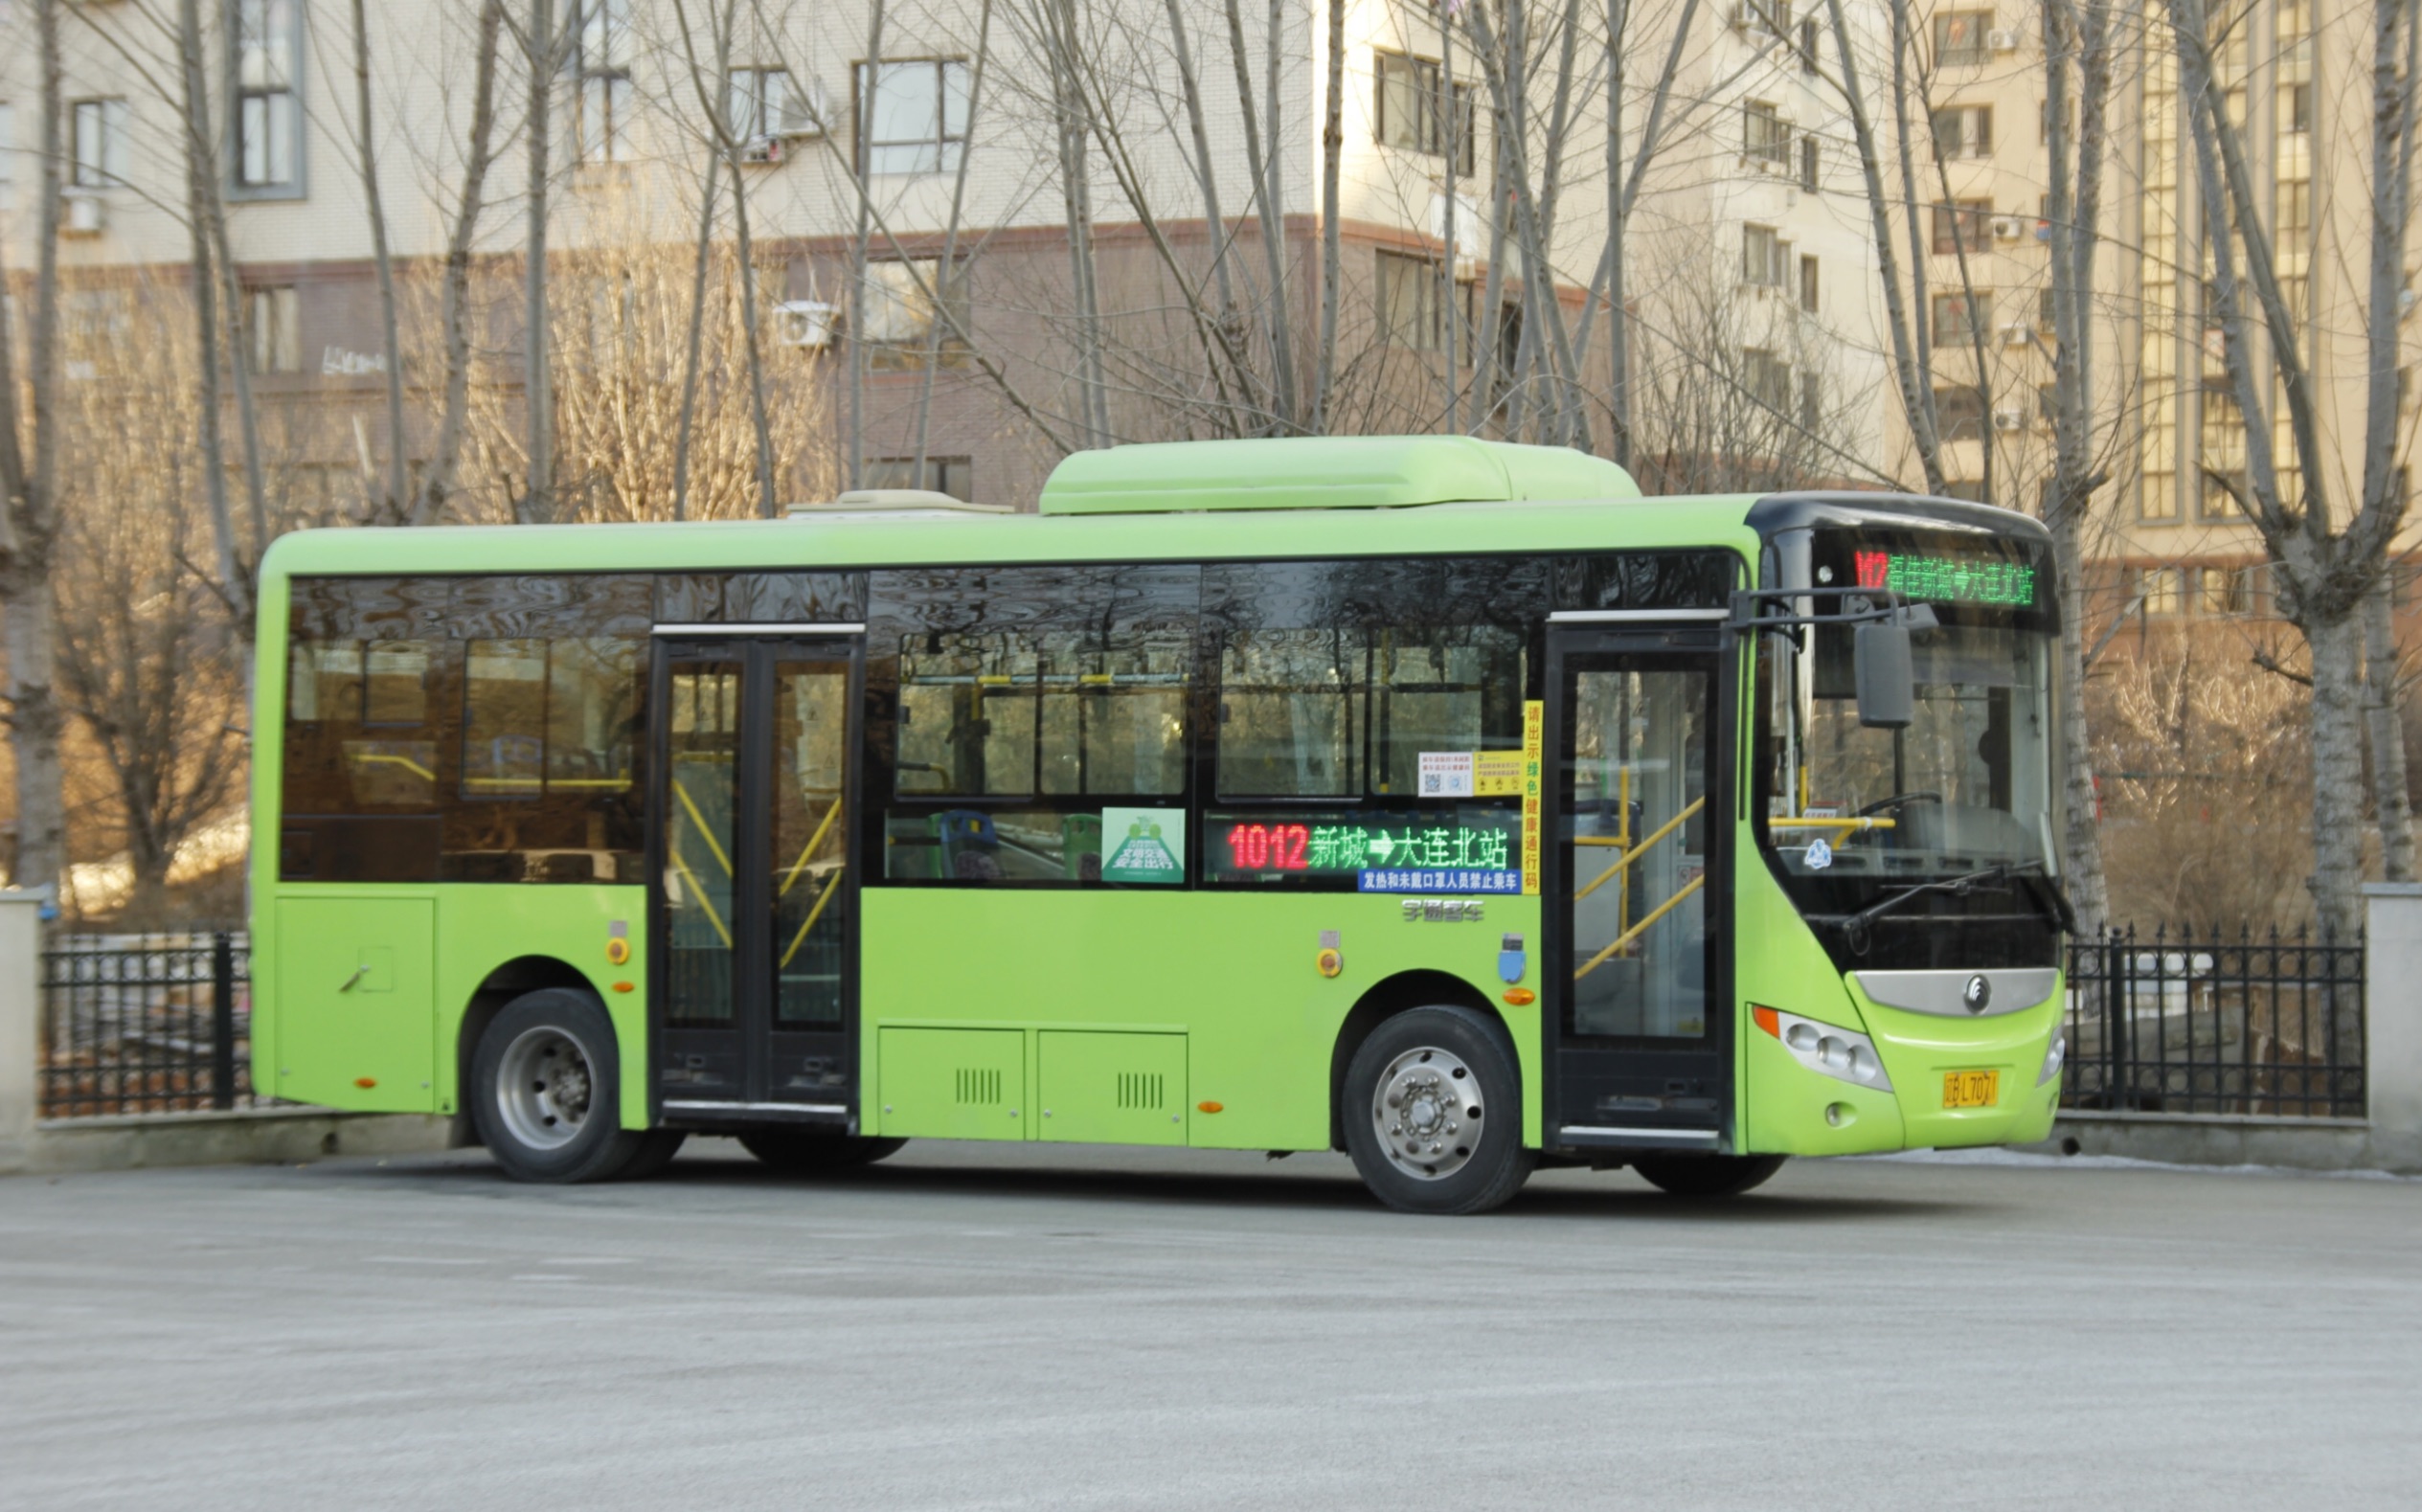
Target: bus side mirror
point(1886, 675)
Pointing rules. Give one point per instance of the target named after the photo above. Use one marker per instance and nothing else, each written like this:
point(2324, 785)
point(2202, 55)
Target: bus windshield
point(1853, 815)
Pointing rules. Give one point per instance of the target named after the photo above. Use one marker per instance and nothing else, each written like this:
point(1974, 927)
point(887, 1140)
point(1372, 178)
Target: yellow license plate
point(1971, 1088)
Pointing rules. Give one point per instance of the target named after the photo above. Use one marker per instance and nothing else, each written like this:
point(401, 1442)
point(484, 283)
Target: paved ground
point(969, 1328)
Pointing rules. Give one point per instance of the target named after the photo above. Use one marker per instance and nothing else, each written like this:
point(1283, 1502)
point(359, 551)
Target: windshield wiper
point(1854, 926)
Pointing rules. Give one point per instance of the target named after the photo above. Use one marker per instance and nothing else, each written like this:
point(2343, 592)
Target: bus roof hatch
point(1326, 473)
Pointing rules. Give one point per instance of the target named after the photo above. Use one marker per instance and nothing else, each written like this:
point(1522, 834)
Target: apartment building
point(1000, 318)
point(2174, 547)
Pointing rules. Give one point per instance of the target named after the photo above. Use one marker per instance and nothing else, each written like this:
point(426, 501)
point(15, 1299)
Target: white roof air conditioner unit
point(2010, 420)
point(2008, 228)
point(2016, 334)
point(804, 114)
point(762, 149)
point(86, 216)
point(2001, 41)
point(803, 323)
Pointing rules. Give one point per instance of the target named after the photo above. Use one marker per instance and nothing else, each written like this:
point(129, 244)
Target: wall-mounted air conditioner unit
point(2008, 228)
point(2001, 41)
point(2010, 420)
point(2016, 334)
point(762, 149)
point(803, 323)
point(84, 215)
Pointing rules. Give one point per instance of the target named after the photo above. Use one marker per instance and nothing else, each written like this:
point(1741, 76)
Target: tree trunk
point(537, 383)
point(1272, 222)
point(698, 328)
point(2392, 806)
point(2338, 773)
point(1332, 150)
point(855, 470)
point(945, 272)
point(201, 166)
point(454, 315)
point(396, 505)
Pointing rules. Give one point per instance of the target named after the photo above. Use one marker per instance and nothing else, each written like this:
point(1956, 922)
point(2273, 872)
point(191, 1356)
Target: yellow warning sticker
point(1535, 742)
point(1497, 773)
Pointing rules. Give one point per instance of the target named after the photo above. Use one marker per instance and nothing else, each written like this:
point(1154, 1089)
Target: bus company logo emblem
point(1978, 994)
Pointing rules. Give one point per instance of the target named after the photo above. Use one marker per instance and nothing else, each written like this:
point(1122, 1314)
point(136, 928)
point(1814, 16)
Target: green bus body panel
point(1110, 1089)
point(356, 980)
point(307, 927)
point(1331, 472)
point(955, 1084)
point(1233, 972)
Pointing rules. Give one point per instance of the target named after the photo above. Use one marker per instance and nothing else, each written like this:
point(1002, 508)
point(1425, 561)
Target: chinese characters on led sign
point(1948, 579)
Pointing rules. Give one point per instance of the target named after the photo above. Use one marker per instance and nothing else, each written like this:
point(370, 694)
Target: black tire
point(656, 1151)
point(1460, 1154)
point(545, 1091)
point(1707, 1175)
point(806, 1151)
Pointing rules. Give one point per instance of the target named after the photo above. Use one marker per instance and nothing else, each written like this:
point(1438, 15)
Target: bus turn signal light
point(1209, 1107)
point(365, 1082)
point(1767, 1020)
point(1520, 997)
point(625, 987)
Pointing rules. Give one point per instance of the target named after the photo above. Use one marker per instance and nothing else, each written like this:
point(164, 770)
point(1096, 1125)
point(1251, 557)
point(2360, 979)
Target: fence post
point(2392, 1019)
point(222, 1021)
point(20, 1025)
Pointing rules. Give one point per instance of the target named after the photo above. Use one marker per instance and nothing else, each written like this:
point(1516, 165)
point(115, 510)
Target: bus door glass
point(756, 909)
point(1638, 825)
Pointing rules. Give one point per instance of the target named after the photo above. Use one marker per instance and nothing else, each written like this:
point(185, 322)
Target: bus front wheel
point(1433, 1114)
point(545, 1087)
point(1707, 1175)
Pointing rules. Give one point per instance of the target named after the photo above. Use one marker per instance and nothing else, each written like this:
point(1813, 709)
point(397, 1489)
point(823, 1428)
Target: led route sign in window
point(1464, 854)
point(1949, 579)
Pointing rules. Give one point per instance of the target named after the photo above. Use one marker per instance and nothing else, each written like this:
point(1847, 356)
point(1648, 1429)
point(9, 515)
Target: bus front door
point(1637, 873)
point(754, 908)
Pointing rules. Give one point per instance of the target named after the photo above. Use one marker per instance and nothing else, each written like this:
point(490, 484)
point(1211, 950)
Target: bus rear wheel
point(1708, 1175)
point(806, 1151)
point(545, 1087)
point(1433, 1114)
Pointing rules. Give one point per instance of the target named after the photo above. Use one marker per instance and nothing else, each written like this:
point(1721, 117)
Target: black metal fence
point(145, 1024)
point(2185, 1023)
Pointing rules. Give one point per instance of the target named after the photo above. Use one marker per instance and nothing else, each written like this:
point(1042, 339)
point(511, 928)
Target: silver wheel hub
point(544, 1084)
point(1427, 1112)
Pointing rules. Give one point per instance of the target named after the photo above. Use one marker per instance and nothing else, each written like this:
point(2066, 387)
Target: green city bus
point(1440, 800)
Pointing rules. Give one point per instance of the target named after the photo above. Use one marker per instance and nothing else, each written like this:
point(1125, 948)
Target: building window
point(2224, 591)
point(268, 116)
point(1410, 314)
point(765, 103)
point(2160, 590)
point(1962, 37)
point(1808, 46)
point(1412, 109)
point(1765, 137)
point(275, 335)
point(100, 132)
point(1764, 257)
point(1767, 377)
point(954, 476)
point(1808, 164)
point(915, 121)
point(1808, 283)
point(911, 307)
point(1962, 319)
point(1960, 412)
point(606, 49)
point(2295, 213)
point(2047, 402)
point(1964, 131)
point(2044, 310)
point(2296, 108)
point(1964, 227)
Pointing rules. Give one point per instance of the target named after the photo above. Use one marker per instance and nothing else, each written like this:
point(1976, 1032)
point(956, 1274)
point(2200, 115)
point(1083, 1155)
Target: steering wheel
point(1897, 799)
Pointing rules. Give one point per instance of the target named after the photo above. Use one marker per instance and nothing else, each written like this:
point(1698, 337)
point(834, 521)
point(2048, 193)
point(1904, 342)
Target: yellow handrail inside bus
point(822, 899)
point(703, 901)
point(1636, 852)
point(1860, 825)
point(813, 841)
point(390, 759)
point(705, 833)
point(1637, 930)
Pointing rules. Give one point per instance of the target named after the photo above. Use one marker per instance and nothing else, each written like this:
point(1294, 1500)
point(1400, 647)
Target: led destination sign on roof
point(1949, 579)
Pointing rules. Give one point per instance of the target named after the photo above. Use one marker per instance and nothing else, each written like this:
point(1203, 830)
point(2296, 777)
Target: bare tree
point(437, 483)
point(2328, 557)
point(541, 52)
point(395, 506)
point(29, 526)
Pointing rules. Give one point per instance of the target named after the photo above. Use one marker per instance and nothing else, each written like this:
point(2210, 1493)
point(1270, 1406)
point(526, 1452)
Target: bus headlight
point(1826, 1049)
point(2055, 1055)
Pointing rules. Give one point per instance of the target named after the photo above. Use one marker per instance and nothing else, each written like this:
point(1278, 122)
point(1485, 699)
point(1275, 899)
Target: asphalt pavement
point(987, 1327)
